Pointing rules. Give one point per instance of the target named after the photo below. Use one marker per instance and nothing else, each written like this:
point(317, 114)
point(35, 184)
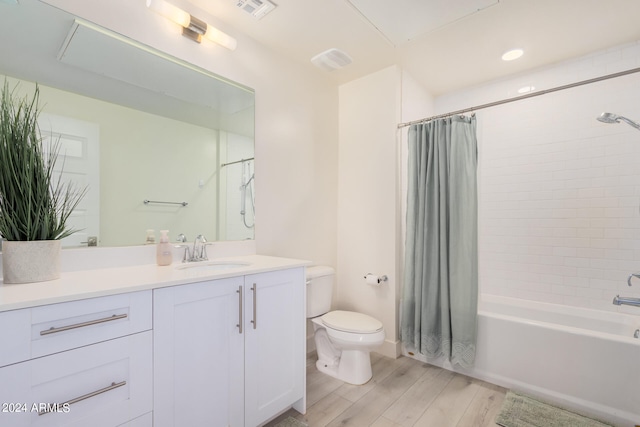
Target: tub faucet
point(631, 276)
point(618, 300)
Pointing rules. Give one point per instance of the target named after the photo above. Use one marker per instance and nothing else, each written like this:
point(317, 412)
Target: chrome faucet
point(187, 254)
point(618, 300)
point(199, 251)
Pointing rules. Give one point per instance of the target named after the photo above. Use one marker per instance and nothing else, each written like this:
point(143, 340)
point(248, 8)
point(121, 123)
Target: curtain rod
point(237, 161)
point(521, 97)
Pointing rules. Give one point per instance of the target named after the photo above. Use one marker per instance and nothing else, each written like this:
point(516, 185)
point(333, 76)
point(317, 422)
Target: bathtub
point(581, 359)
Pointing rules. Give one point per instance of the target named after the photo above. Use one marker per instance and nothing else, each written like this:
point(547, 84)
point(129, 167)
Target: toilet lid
point(349, 321)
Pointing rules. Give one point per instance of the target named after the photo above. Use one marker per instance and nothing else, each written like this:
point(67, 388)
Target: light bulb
point(170, 12)
point(221, 38)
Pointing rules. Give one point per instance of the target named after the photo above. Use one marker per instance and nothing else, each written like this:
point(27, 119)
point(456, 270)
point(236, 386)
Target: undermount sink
point(212, 265)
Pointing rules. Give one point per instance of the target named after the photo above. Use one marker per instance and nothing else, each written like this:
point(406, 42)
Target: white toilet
point(343, 338)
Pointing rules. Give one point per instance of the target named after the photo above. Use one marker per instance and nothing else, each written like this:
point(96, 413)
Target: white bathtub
point(582, 359)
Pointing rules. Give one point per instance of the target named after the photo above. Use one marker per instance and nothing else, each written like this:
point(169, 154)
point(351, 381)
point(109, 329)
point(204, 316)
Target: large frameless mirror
point(161, 144)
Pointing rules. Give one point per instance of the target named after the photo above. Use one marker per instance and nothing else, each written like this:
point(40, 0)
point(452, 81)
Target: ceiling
point(459, 45)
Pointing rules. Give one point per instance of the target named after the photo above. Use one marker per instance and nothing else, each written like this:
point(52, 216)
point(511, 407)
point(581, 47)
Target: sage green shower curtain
point(441, 252)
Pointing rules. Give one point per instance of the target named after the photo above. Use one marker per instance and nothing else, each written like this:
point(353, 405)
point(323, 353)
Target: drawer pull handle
point(86, 396)
point(255, 302)
point(239, 325)
point(53, 330)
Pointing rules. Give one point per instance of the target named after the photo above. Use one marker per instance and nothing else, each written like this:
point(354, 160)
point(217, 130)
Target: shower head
point(608, 118)
point(614, 118)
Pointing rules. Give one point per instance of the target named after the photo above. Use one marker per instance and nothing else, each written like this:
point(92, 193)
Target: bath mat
point(291, 422)
point(523, 411)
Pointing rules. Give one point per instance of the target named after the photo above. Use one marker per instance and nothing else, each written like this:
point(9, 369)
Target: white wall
point(369, 112)
point(369, 197)
point(559, 191)
point(296, 125)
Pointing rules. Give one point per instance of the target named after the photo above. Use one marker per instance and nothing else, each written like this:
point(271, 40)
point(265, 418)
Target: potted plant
point(35, 203)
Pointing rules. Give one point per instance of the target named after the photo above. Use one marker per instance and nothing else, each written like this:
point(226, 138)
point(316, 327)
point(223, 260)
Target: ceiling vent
point(332, 59)
point(256, 8)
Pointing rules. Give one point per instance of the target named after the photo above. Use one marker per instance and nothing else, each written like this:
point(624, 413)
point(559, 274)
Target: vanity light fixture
point(192, 27)
point(512, 54)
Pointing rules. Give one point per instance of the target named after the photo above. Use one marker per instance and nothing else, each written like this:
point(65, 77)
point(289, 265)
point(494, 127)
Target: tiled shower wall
point(559, 199)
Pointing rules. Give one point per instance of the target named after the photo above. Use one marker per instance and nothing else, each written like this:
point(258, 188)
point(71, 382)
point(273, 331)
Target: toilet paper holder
point(379, 278)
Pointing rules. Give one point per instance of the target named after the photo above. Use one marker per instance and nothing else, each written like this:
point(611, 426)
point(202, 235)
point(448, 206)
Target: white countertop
point(93, 283)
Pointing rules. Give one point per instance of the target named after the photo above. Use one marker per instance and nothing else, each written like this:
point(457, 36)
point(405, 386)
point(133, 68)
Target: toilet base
point(353, 367)
point(345, 355)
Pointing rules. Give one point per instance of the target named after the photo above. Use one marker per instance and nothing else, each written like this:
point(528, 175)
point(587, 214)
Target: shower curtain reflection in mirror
point(441, 253)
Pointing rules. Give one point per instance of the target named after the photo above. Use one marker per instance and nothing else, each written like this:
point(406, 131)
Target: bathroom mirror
point(161, 144)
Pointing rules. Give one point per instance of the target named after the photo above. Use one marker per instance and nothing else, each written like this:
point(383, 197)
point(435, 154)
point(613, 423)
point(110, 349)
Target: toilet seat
point(349, 321)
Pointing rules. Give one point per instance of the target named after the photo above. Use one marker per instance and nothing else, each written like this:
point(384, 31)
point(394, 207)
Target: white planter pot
point(32, 261)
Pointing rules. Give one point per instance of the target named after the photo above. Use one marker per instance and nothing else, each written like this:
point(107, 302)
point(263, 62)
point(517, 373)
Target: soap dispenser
point(163, 251)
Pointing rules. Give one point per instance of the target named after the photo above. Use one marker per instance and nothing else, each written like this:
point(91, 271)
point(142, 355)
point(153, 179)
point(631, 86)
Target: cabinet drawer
point(60, 327)
point(144, 421)
point(101, 385)
point(44, 330)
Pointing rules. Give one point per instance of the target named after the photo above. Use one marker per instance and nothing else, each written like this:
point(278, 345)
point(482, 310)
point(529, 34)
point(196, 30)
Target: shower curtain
point(441, 252)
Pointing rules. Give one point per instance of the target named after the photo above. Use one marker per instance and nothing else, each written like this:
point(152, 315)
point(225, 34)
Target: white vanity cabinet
point(229, 352)
point(80, 363)
point(198, 348)
point(274, 352)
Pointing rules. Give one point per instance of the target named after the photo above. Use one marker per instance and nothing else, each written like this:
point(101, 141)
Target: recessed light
point(512, 54)
point(526, 89)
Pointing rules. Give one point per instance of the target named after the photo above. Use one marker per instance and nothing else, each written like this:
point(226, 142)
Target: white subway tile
point(603, 284)
point(559, 191)
point(563, 290)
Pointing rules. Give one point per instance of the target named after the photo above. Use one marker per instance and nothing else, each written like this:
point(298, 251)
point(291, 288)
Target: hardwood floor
point(402, 392)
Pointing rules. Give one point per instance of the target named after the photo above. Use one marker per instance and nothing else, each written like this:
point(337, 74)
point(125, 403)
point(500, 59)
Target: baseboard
point(390, 349)
point(311, 344)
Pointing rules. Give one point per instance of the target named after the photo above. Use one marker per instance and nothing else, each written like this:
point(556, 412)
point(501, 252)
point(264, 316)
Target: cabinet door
point(274, 343)
point(198, 354)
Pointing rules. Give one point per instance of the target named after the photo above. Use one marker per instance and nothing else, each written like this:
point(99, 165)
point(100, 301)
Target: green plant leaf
point(35, 203)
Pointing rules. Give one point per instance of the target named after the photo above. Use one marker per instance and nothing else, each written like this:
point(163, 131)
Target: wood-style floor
point(402, 392)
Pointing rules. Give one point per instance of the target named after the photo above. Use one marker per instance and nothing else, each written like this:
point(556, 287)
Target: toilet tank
point(319, 289)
